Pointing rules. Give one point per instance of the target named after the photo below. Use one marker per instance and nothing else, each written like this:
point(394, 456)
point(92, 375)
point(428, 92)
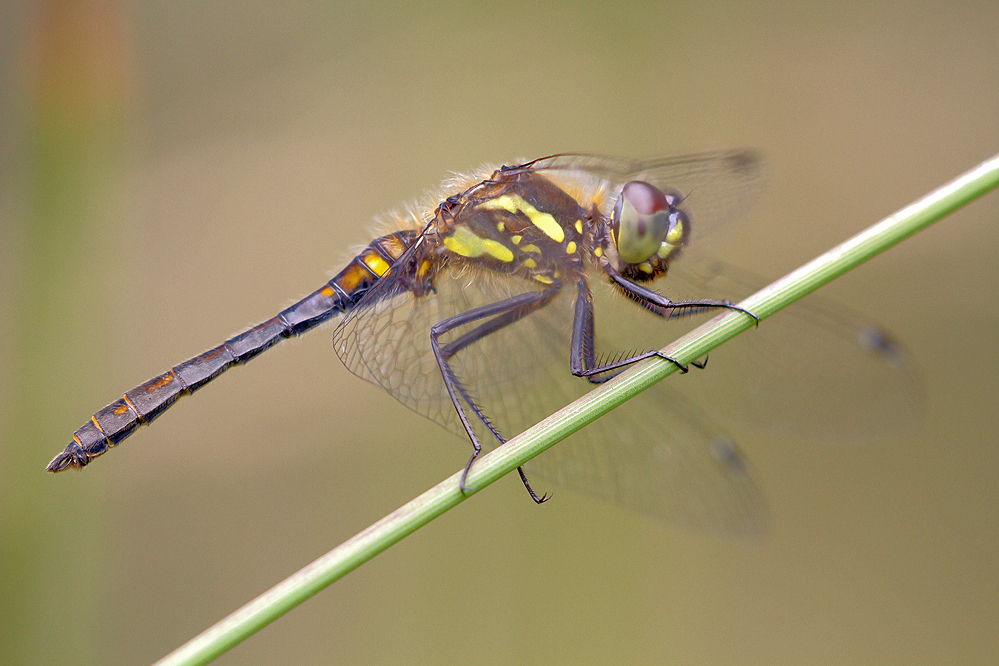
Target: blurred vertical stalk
point(64, 142)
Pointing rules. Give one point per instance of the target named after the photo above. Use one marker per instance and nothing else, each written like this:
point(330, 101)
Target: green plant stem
point(362, 547)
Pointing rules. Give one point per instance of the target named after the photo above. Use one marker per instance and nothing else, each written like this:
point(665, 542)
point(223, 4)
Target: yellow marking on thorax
point(513, 203)
point(598, 251)
point(543, 279)
point(375, 262)
point(531, 248)
point(467, 244)
point(579, 226)
point(529, 263)
point(516, 239)
point(570, 247)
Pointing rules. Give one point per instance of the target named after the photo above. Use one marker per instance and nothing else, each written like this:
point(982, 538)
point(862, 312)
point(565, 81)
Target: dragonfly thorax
point(516, 223)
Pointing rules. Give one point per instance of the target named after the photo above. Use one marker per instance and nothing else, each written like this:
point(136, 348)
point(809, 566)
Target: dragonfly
point(479, 310)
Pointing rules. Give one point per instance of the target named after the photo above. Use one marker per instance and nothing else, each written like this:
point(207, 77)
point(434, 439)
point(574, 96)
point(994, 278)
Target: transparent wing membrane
point(717, 187)
point(497, 270)
point(660, 456)
point(815, 369)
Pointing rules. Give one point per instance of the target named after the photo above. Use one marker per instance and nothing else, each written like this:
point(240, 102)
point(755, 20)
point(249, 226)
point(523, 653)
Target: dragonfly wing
point(816, 369)
point(652, 455)
point(659, 455)
point(717, 187)
point(386, 340)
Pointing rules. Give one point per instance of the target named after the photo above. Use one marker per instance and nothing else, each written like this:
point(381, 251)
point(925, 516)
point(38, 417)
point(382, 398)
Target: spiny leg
point(501, 314)
point(582, 361)
point(659, 305)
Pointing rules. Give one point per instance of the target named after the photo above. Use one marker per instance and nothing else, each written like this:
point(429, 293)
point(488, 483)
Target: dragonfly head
point(646, 224)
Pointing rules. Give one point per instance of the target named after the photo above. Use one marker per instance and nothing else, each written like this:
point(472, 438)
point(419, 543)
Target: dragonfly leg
point(498, 315)
point(583, 361)
point(527, 484)
point(658, 304)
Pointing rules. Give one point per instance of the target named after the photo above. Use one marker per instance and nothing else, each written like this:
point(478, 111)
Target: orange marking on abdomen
point(352, 278)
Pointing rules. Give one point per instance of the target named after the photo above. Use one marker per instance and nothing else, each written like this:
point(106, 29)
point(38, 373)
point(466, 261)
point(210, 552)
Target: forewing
point(653, 455)
point(816, 368)
point(717, 187)
point(386, 340)
point(813, 371)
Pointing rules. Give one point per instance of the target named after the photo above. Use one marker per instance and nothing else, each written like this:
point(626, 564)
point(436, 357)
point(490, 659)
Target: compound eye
point(640, 221)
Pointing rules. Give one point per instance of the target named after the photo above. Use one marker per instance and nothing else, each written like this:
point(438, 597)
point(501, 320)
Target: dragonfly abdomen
point(109, 426)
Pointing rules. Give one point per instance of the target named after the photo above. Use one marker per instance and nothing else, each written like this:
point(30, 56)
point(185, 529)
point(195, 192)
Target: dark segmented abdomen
point(145, 402)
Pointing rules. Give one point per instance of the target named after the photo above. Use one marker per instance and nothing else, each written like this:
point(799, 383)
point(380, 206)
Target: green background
point(172, 173)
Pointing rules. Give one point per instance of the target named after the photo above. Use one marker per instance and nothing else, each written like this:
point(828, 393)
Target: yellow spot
point(423, 269)
point(579, 226)
point(498, 251)
point(645, 267)
point(375, 262)
point(458, 247)
point(531, 248)
point(500, 226)
point(599, 252)
point(516, 239)
point(530, 263)
point(665, 250)
point(543, 279)
point(570, 247)
point(513, 203)
point(675, 234)
point(467, 244)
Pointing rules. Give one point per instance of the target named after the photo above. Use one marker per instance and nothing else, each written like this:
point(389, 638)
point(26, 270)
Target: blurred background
point(172, 173)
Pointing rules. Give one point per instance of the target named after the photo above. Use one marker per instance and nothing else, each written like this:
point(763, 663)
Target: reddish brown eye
point(647, 199)
point(640, 221)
